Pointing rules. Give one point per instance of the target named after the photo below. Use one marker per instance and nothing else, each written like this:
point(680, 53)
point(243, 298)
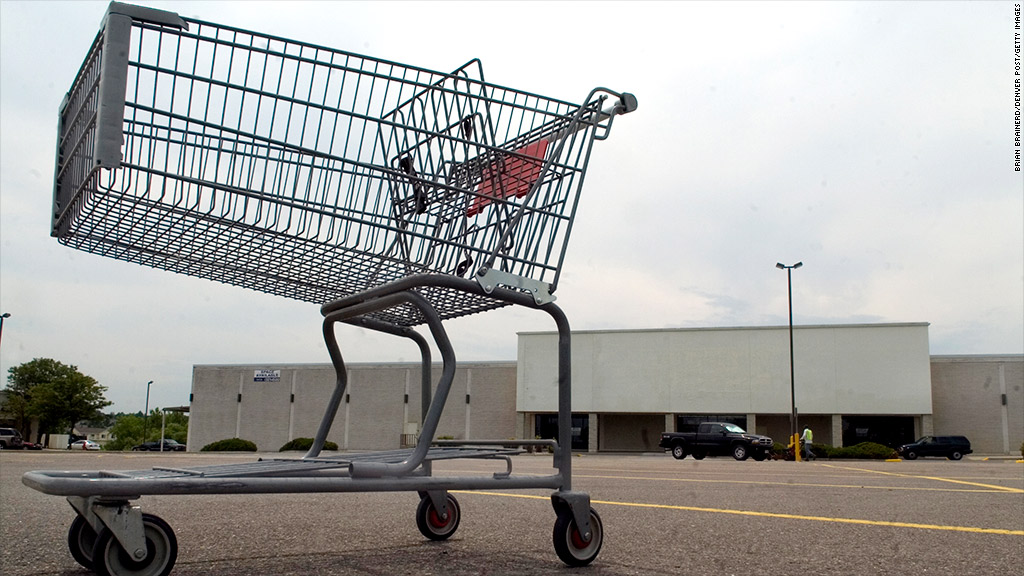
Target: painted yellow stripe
point(936, 478)
point(982, 488)
point(942, 527)
point(989, 489)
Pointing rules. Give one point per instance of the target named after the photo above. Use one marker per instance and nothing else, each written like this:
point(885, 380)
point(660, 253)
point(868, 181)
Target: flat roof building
point(852, 383)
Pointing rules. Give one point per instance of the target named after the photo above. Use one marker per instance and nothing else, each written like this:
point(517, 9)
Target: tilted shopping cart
point(392, 195)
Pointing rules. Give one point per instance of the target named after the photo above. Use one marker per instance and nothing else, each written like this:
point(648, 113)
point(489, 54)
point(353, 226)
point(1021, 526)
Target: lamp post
point(2, 316)
point(145, 415)
point(792, 375)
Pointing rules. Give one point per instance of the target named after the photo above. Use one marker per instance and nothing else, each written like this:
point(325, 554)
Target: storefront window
point(546, 426)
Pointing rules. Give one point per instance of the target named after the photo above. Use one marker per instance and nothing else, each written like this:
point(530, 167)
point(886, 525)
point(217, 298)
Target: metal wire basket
point(314, 173)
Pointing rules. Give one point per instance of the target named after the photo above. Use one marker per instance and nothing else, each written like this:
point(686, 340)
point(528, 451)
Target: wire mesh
point(314, 173)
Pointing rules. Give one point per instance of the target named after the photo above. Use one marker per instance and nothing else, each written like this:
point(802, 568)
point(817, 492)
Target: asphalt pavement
point(661, 516)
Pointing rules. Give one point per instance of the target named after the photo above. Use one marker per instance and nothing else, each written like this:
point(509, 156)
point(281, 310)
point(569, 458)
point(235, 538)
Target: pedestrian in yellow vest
point(805, 441)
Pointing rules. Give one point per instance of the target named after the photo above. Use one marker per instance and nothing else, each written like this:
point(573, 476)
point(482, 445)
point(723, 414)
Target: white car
point(84, 445)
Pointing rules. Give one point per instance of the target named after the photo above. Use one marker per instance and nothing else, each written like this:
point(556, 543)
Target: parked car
point(84, 445)
point(952, 447)
point(170, 445)
point(10, 438)
point(31, 446)
point(716, 439)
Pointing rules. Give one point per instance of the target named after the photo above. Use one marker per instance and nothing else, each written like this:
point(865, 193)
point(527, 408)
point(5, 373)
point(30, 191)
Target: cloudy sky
point(872, 141)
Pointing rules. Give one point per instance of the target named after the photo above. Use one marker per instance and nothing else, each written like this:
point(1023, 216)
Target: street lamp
point(2, 316)
point(792, 374)
point(145, 415)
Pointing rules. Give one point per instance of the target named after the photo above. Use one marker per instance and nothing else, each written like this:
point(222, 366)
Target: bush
point(306, 444)
point(230, 445)
point(862, 451)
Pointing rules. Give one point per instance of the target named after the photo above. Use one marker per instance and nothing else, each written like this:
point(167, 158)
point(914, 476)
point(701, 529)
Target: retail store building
point(852, 383)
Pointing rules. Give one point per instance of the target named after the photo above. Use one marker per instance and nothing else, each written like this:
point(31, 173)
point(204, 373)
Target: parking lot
point(661, 516)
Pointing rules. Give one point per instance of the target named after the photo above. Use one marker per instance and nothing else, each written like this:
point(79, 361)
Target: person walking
point(805, 443)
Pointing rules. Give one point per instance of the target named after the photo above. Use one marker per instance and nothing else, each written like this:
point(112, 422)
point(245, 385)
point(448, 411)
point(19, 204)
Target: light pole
point(792, 375)
point(145, 416)
point(2, 316)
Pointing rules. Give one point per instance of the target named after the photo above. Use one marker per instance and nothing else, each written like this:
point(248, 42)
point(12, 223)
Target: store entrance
point(546, 427)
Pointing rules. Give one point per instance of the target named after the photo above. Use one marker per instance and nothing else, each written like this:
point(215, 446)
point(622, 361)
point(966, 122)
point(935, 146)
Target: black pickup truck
point(717, 439)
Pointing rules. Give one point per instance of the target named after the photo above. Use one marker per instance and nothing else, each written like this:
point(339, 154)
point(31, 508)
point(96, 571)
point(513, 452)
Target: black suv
point(952, 447)
point(10, 438)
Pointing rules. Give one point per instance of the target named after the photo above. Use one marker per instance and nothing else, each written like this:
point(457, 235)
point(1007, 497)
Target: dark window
point(689, 423)
point(891, 431)
point(546, 426)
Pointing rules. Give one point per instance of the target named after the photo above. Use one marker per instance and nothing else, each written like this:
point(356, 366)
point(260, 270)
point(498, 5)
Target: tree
point(55, 393)
point(128, 430)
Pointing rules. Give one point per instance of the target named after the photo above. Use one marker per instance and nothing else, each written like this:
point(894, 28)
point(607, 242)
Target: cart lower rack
point(398, 195)
point(113, 536)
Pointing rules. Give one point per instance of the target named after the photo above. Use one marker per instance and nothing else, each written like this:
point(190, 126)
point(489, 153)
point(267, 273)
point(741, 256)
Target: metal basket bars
point(314, 173)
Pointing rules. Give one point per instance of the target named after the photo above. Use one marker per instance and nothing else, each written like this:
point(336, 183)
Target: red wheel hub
point(577, 539)
point(436, 520)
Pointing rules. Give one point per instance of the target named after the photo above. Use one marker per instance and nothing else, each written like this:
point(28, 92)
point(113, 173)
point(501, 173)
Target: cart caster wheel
point(569, 543)
point(81, 539)
point(430, 522)
point(110, 559)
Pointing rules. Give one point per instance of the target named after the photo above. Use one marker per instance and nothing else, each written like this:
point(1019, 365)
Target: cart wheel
point(432, 525)
point(81, 539)
point(569, 543)
point(110, 559)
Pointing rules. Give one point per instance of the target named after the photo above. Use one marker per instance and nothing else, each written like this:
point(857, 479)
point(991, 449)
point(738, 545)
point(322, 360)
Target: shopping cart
point(397, 195)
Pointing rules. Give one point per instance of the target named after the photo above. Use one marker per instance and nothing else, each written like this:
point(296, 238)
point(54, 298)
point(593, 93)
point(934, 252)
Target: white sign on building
point(267, 376)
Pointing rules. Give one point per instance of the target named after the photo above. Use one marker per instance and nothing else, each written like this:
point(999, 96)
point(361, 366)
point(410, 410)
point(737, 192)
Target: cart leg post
point(120, 517)
point(341, 383)
point(576, 504)
point(439, 498)
point(125, 522)
point(83, 505)
point(563, 453)
point(352, 312)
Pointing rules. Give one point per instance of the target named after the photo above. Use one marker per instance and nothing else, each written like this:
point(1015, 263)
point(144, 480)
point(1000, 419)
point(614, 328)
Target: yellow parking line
point(942, 527)
point(982, 488)
point(989, 489)
point(979, 484)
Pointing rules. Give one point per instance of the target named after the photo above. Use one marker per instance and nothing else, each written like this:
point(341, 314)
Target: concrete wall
point(272, 404)
point(967, 394)
point(629, 432)
point(861, 369)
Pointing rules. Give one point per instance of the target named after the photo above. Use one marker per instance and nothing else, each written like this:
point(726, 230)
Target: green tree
point(176, 427)
point(57, 394)
point(127, 431)
point(15, 405)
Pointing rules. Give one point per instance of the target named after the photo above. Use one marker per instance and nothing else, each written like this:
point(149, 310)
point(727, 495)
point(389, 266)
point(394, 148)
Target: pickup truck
point(716, 439)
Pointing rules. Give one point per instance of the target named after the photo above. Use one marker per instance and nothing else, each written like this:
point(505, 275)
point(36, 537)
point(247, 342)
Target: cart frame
point(458, 197)
point(103, 498)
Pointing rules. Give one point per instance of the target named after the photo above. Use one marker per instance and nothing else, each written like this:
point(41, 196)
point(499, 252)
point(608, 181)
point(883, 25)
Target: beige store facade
point(853, 383)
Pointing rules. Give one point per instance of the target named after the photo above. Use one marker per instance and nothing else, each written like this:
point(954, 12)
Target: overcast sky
point(872, 141)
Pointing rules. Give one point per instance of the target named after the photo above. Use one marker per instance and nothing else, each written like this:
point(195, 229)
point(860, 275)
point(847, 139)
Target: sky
point(873, 141)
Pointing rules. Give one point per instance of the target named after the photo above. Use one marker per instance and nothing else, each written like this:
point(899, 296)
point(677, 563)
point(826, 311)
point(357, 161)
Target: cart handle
point(625, 102)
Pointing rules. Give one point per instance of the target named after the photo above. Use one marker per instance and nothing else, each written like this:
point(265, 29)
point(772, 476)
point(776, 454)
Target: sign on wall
point(267, 376)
